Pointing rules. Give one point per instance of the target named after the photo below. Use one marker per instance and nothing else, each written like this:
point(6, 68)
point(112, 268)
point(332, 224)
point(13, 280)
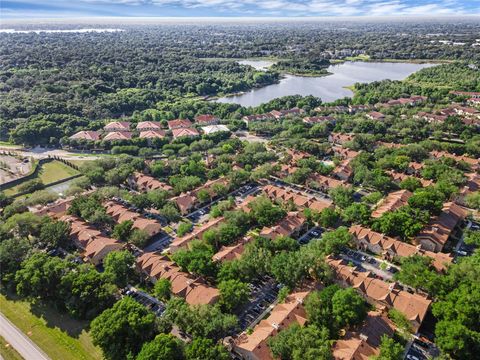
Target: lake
point(328, 88)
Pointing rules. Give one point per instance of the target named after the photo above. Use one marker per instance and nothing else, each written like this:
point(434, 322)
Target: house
point(117, 126)
point(382, 294)
point(211, 129)
point(375, 115)
point(340, 109)
point(194, 290)
point(297, 155)
point(353, 109)
point(399, 177)
point(344, 170)
point(184, 132)
point(152, 134)
point(120, 214)
point(296, 198)
point(435, 235)
point(467, 111)
point(146, 183)
point(390, 249)
point(414, 168)
point(392, 202)
point(233, 252)
point(185, 202)
point(474, 163)
point(340, 139)
point(472, 184)
point(93, 244)
point(149, 126)
point(206, 119)
point(325, 183)
point(248, 119)
point(179, 123)
point(86, 135)
point(472, 94)
point(196, 234)
point(291, 225)
point(286, 170)
point(55, 210)
point(279, 114)
point(344, 153)
point(118, 136)
point(254, 346)
point(364, 342)
point(474, 101)
point(318, 120)
point(432, 118)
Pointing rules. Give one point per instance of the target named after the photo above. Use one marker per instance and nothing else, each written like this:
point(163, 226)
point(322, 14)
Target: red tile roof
point(86, 135)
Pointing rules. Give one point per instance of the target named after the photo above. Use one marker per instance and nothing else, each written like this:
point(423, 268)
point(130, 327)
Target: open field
point(58, 335)
point(7, 352)
point(49, 172)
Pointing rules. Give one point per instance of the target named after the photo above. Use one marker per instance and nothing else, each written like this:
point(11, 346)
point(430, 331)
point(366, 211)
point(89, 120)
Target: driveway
point(19, 341)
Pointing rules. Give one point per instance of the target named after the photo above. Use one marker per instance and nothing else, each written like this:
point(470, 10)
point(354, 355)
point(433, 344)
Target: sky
point(234, 8)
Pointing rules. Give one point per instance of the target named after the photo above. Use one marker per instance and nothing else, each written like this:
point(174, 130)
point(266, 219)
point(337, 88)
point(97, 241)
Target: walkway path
point(19, 341)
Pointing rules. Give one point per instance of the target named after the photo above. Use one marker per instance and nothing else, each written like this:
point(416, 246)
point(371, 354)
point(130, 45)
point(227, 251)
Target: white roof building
point(210, 129)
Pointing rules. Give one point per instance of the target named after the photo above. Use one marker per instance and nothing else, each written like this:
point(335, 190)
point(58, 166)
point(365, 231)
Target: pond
point(328, 88)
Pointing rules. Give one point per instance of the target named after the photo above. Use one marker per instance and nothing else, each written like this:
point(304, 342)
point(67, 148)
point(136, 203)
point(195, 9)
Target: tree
point(203, 195)
point(417, 271)
point(197, 259)
point(119, 267)
point(121, 330)
point(55, 233)
point(348, 308)
point(334, 240)
point(411, 184)
point(163, 347)
point(473, 200)
point(404, 222)
point(205, 349)
point(327, 218)
point(40, 276)
point(31, 186)
point(123, 230)
point(471, 237)
point(86, 292)
point(318, 306)
point(139, 238)
point(357, 213)
point(13, 252)
point(342, 196)
point(400, 320)
point(183, 228)
point(162, 289)
point(299, 343)
point(429, 199)
point(233, 294)
point(390, 349)
point(264, 212)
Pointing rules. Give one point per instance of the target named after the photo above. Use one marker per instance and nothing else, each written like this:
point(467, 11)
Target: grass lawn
point(49, 172)
point(8, 352)
point(55, 170)
point(60, 336)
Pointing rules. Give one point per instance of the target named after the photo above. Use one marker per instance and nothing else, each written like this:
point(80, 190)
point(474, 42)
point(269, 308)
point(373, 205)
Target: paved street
point(20, 341)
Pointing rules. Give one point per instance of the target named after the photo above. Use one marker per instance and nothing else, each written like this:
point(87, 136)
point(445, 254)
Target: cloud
point(249, 7)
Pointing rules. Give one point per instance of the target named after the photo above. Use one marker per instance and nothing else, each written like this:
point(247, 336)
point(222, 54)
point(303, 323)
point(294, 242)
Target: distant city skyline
point(11, 9)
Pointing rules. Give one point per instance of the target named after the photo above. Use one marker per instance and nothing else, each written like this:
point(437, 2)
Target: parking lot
point(263, 294)
point(369, 263)
point(462, 249)
point(313, 233)
point(420, 350)
point(151, 303)
point(279, 182)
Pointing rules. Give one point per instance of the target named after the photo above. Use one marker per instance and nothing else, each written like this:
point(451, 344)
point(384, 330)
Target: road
point(20, 341)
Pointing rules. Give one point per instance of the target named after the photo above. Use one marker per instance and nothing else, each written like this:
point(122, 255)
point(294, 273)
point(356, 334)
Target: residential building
point(206, 119)
point(325, 183)
point(365, 342)
point(296, 198)
point(291, 225)
point(211, 129)
point(185, 202)
point(254, 346)
point(474, 163)
point(382, 294)
point(118, 136)
point(472, 94)
point(194, 290)
point(179, 123)
point(472, 184)
point(152, 134)
point(319, 120)
point(390, 249)
point(375, 115)
point(344, 170)
point(279, 114)
point(117, 126)
point(120, 214)
point(392, 202)
point(435, 235)
point(196, 234)
point(399, 177)
point(86, 135)
point(232, 252)
point(248, 119)
point(146, 183)
point(184, 132)
point(149, 126)
point(340, 139)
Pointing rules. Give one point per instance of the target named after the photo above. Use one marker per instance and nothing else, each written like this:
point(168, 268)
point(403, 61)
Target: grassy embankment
point(58, 335)
point(49, 172)
point(7, 352)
